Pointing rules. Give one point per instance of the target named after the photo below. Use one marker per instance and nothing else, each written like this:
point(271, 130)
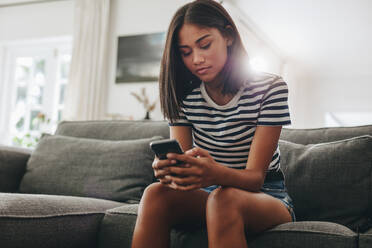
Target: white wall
point(343, 94)
point(327, 48)
point(36, 21)
point(313, 94)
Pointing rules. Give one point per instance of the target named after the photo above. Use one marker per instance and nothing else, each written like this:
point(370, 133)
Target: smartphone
point(162, 147)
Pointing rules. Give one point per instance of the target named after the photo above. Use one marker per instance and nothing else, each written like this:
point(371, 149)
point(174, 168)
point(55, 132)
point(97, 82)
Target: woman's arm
point(183, 135)
point(263, 146)
point(205, 171)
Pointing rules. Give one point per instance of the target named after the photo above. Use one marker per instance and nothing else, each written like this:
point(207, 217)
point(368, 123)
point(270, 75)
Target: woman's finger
point(197, 151)
point(183, 171)
point(191, 152)
point(165, 181)
point(184, 188)
point(161, 173)
point(184, 180)
point(183, 158)
point(157, 175)
point(154, 164)
point(160, 164)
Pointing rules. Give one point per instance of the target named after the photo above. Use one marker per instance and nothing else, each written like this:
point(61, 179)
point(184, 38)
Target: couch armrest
point(13, 163)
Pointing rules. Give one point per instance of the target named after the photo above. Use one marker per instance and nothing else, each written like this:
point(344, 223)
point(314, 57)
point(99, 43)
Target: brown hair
point(175, 80)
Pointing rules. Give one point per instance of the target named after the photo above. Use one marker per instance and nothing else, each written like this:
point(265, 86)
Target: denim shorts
point(275, 188)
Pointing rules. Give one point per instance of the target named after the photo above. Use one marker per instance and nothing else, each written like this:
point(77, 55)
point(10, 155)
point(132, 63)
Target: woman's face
point(203, 51)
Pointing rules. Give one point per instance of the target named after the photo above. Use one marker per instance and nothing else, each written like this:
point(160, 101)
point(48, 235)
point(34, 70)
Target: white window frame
point(9, 51)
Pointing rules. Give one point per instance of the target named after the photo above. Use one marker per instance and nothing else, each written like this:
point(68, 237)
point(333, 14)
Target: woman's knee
point(154, 190)
point(161, 202)
point(222, 197)
point(223, 202)
point(154, 197)
point(156, 193)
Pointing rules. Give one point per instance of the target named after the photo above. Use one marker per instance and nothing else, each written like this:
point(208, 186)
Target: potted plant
point(144, 100)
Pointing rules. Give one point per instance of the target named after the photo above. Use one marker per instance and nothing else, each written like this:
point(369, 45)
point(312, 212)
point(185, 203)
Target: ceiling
point(7, 3)
point(15, 1)
point(326, 36)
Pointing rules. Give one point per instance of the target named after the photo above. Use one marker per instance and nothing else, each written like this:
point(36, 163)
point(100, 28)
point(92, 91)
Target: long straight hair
point(175, 80)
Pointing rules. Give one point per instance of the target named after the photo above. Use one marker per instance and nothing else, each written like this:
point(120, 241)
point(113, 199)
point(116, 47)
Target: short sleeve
point(274, 109)
point(182, 121)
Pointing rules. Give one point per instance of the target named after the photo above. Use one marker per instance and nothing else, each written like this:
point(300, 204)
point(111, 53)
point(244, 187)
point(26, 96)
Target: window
point(62, 79)
point(37, 78)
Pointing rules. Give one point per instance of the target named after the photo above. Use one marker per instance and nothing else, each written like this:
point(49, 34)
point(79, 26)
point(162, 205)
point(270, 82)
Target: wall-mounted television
point(138, 57)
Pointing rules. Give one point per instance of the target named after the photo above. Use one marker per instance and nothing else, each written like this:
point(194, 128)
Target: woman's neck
point(214, 91)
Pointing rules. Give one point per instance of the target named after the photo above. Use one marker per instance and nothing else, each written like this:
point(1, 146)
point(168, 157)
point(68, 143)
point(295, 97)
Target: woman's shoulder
point(260, 83)
point(263, 78)
point(193, 94)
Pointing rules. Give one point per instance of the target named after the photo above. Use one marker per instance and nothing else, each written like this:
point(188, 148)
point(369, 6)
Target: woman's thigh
point(259, 211)
point(176, 206)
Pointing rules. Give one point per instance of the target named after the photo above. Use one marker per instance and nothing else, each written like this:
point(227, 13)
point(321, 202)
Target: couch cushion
point(330, 181)
point(113, 170)
point(306, 234)
point(118, 225)
point(324, 134)
point(28, 220)
point(13, 162)
point(113, 130)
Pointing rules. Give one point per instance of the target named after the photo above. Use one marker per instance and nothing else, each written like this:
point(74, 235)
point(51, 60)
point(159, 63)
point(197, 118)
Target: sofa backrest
point(324, 134)
point(113, 129)
point(123, 130)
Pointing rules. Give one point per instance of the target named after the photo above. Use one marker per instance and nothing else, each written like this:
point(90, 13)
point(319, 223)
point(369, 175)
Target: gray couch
point(81, 186)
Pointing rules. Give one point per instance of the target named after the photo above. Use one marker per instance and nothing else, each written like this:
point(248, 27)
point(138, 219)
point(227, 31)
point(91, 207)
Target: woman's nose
point(198, 58)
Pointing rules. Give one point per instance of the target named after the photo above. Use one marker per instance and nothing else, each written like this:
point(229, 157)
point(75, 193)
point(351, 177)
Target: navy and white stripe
point(226, 132)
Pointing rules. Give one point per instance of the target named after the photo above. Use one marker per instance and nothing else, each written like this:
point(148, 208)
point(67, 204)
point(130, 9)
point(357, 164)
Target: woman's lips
point(203, 70)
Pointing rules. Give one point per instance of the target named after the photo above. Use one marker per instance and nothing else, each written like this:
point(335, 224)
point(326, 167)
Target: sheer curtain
point(86, 92)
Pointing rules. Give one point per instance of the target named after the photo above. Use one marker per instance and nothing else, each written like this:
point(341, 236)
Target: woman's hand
point(198, 169)
point(160, 169)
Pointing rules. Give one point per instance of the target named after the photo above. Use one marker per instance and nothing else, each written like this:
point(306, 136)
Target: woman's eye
point(206, 46)
point(184, 54)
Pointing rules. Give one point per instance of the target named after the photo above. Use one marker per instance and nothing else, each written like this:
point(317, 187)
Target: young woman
point(228, 122)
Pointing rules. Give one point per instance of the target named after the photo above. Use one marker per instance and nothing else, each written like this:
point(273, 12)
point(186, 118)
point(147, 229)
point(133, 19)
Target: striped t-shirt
point(226, 131)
